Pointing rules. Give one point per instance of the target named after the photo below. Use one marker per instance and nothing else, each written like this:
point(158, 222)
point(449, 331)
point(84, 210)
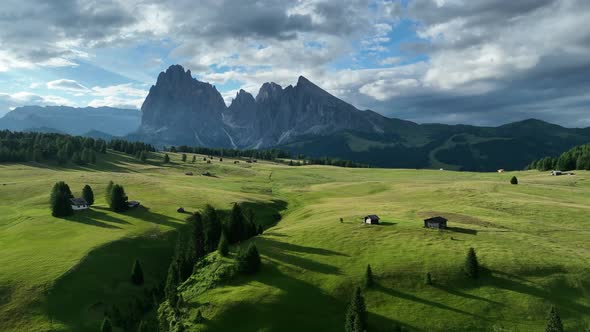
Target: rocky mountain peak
point(268, 91)
point(243, 98)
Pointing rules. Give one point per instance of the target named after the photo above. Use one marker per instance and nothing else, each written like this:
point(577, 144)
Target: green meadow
point(532, 240)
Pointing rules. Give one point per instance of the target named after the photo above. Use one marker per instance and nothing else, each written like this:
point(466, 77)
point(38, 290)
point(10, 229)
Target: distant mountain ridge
point(304, 118)
point(72, 120)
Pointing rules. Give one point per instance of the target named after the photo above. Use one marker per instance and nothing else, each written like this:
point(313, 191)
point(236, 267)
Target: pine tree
point(198, 236)
point(248, 261)
point(118, 201)
point(137, 273)
point(108, 192)
point(260, 229)
point(554, 323)
point(223, 247)
point(60, 200)
point(211, 228)
point(369, 277)
point(428, 279)
point(184, 157)
point(471, 264)
point(356, 314)
point(166, 158)
point(106, 325)
point(143, 156)
point(236, 225)
point(88, 195)
point(514, 180)
point(172, 280)
point(194, 159)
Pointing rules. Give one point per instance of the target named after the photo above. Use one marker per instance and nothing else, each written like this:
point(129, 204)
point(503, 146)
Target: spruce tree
point(60, 200)
point(137, 273)
point(514, 180)
point(356, 314)
point(198, 236)
point(118, 201)
point(172, 281)
point(248, 261)
point(194, 159)
point(554, 321)
point(184, 157)
point(369, 277)
point(166, 158)
point(428, 279)
point(223, 247)
point(88, 195)
point(471, 264)
point(237, 230)
point(211, 228)
point(106, 325)
point(108, 192)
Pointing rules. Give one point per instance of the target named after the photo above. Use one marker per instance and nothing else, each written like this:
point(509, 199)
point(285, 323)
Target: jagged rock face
point(181, 110)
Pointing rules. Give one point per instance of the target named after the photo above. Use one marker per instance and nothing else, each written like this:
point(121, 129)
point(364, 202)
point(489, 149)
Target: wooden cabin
point(435, 222)
point(78, 204)
point(371, 219)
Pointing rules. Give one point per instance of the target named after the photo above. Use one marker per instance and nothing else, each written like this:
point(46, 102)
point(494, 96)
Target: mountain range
point(88, 121)
point(303, 119)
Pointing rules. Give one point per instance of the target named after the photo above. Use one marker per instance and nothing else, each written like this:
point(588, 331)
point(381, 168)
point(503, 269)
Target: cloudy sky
point(484, 62)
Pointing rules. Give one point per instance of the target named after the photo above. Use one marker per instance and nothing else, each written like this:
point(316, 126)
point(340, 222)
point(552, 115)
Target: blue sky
point(484, 62)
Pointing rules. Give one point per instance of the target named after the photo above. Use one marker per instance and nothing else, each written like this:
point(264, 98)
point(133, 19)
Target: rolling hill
point(531, 239)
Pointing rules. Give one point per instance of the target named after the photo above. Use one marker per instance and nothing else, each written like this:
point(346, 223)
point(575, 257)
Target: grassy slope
point(532, 238)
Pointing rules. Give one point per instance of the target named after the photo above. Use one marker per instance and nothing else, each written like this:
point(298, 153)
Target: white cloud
point(66, 85)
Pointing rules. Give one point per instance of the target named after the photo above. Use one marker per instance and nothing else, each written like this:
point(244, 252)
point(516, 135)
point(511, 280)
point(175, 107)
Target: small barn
point(501, 170)
point(189, 173)
point(371, 219)
point(133, 204)
point(556, 173)
point(435, 222)
point(78, 204)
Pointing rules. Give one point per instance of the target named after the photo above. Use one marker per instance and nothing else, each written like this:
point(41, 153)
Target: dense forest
point(577, 158)
point(61, 148)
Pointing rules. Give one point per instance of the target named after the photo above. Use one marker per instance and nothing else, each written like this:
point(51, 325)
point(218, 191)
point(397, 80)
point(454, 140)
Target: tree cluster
point(116, 197)
point(356, 313)
point(248, 261)
point(577, 158)
point(327, 161)
point(60, 200)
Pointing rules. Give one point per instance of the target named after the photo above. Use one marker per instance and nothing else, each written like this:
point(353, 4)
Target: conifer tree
point(471, 264)
point(106, 325)
point(77, 159)
point(199, 318)
point(118, 201)
point(236, 227)
point(194, 159)
point(260, 229)
point(172, 281)
point(428, 279)
point(108, 191)
point(514, 180)
point(356, 314)
point(184, 157)
point(211, 228)
point(88, 195)
point(166, 158)
point(143, 156)
point(369, 277)
point(248, 261)
point(137, 273)
point(223, 247)
point(198, 235)
point(554, 323)
point(60, 200)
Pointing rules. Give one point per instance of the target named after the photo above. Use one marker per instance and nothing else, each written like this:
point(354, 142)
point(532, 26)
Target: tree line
point(578, 158)
point(269, 154)
point(42, 147)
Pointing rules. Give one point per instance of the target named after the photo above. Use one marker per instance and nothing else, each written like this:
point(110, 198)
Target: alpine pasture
point(531, 241)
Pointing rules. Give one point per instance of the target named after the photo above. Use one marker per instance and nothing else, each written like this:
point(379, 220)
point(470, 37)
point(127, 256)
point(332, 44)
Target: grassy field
point(532, 240)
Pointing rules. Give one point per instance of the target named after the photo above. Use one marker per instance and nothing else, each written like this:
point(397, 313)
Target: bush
point(248, 261)
point(514, 180)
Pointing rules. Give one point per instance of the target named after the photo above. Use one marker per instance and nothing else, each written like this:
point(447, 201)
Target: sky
point(481, 62)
